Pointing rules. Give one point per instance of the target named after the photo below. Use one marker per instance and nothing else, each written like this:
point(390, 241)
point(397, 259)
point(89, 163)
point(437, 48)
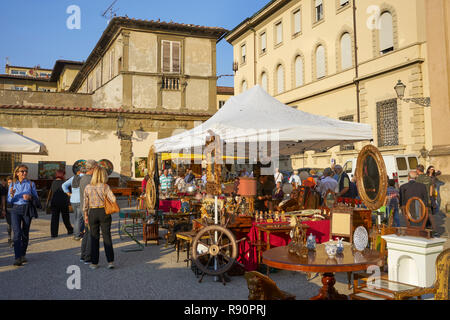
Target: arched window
point(280, 79)
point(298, 71)
point(244, 86)
point(386, 33)
point(346, 51)
point(320, 62)
point(264, 81)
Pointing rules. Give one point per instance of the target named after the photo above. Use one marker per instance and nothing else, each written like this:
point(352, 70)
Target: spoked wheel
point(214, 250)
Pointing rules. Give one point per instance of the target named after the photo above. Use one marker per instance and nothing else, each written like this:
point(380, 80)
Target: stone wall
point(49, 99)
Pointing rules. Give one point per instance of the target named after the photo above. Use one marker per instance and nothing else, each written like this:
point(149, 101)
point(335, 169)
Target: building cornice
point(254, 20)
point(103, 112)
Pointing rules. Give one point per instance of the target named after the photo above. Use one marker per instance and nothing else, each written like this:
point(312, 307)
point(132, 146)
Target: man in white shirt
point(327, 182)
point(295, 178)
point(278, 176)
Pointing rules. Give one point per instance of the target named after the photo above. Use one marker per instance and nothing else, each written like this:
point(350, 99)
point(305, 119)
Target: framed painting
point(140, 167)
point(47, 169)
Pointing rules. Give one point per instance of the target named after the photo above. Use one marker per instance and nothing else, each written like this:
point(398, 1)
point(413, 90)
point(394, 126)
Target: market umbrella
point(11, 142)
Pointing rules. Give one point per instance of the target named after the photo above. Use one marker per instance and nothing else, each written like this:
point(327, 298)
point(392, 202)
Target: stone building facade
point(304, 54)
point(159, 78)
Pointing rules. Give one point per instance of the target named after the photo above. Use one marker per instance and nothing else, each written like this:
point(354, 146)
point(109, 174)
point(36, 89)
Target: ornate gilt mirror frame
point(379, 200)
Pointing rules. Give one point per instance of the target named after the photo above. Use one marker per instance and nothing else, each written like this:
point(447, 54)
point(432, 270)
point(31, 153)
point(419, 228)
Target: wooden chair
point(261, 287)
point(151, 232)
point(440, 289)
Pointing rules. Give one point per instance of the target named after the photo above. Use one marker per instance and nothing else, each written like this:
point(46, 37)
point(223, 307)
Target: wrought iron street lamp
point(400, 90)
point(120, 125)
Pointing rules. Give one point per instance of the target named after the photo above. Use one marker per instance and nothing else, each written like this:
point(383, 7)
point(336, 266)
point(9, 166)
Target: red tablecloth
point(167, 205)
point(248, 254)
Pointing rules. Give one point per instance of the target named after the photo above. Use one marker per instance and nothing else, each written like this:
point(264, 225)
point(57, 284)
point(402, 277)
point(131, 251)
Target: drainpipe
point(254, 54)
point(356, 64)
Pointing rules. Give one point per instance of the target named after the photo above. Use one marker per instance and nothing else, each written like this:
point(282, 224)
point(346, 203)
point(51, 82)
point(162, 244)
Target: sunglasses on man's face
point(23, 171)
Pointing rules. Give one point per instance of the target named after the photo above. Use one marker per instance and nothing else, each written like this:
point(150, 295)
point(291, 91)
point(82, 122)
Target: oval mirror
point(415, 210)
point(371, 177)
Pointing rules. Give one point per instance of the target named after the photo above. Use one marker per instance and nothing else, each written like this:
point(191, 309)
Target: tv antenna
point(110, 12)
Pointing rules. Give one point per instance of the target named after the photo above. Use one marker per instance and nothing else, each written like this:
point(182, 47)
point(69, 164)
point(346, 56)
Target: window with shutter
point(176, 57)
point(244, 86)
point(346, 51)
point(264, 80)
point(170, 56)
point(111, 65)
point(280, 79)
point(386, 33)
point(165, 56)
point(243, 53)
point(297, 22)
point(263, 43)
point(347, 146)
point(319, 10)
point(279, 33)
point(298, 71)
point(320, 62)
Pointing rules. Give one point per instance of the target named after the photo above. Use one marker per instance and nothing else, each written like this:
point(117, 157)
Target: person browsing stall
point(86, 241)
point(95, 194)
point(74, 184)
point(59, 205)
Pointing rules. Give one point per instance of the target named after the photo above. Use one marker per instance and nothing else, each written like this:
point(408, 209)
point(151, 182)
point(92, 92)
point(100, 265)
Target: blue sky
point(35, 31)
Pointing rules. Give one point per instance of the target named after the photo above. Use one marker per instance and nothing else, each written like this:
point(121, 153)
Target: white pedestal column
point(412, 259)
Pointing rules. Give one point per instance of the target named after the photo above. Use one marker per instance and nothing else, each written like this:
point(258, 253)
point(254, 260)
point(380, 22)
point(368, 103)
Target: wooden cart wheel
point(150, 194)
point(207, 249)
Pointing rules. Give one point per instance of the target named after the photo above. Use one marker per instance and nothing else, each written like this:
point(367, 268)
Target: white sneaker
point(93, 266)
point(110, 265)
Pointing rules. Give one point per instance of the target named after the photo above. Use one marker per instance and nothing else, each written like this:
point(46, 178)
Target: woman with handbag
point(96, 194)
point(21, 193)
point(59, 205)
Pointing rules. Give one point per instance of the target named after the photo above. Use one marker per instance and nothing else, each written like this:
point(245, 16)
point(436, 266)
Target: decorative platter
point(77, 165)
point(107, 165)
point(360, 238)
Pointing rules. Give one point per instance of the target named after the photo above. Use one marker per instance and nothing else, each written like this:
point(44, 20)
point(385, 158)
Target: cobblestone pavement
point(152, 273)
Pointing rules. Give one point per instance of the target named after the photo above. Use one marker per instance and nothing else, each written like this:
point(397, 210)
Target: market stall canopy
point(12, 142)
point(255, 116)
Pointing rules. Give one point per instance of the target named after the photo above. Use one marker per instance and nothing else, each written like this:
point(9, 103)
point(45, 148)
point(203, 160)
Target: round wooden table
point(318, 261)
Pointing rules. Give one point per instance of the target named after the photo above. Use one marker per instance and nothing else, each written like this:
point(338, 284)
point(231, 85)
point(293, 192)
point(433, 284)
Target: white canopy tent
point(255, 116)
point(11, 142)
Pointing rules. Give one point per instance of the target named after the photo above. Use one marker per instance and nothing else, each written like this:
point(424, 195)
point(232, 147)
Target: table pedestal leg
point(328, 292)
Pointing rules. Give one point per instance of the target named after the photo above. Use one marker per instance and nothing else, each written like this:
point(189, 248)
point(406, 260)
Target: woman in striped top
point(95, 216)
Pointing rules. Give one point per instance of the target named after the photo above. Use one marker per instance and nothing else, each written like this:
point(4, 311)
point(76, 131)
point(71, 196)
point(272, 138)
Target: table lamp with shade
point(247, 189)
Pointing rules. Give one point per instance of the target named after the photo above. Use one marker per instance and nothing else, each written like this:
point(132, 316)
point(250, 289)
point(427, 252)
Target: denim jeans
point(20, 223)
point(78, 222)
point(98, 220)
point(396, 216)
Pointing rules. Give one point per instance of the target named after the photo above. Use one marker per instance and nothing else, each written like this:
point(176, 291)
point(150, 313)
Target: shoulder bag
point(110, 206)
